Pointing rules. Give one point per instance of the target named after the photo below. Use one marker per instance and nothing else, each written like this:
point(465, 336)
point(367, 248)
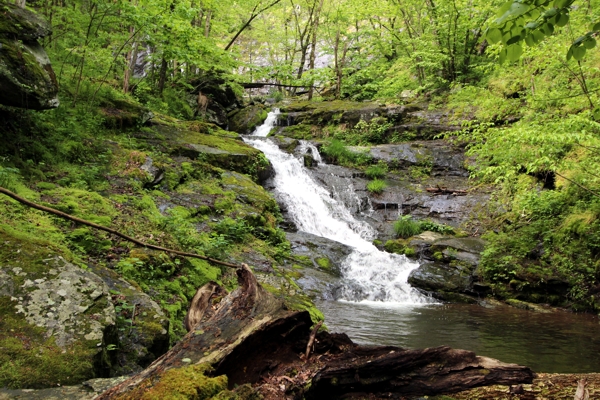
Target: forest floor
point(545, 386)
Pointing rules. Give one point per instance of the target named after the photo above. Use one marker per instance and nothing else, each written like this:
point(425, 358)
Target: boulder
point(74, 318)
point(449, 270)
point(245, 120)
point(324, 254)
point(26, 76)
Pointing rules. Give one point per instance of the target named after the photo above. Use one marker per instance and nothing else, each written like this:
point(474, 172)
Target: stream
point(375, 304)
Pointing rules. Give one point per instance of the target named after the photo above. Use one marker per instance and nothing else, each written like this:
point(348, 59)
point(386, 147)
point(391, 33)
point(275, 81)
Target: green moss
point(30, 360)
point(324, 263)
point(399, 246)
point(300, 131)
point(186, 383)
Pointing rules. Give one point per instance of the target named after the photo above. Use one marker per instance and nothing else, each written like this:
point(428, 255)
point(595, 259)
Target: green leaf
point(513, 52)
point(514, 39)
point(549, 13)
point(548, 29)
point(570, 53)
point(562, 3)
point(578, 52)
point(502, 56)
point(596, 26)
point(538, 36)
point(504, 8)
point(532, 25)
point(562, 19)
point(494, 35)
point(590, 43)
point(517, 9)
point(530, 40)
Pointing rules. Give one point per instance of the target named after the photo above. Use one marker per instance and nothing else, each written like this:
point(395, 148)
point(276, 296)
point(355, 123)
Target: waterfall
point(367, 274)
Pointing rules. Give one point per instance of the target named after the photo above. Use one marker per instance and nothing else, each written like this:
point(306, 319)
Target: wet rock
point(246, 120)
point(324, 254)
point(285, 144)
point(450, 267)
point(26, 76)
point(438, 156)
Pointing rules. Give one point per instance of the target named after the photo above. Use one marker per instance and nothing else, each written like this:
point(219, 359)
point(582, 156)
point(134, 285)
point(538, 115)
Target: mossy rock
point(52, 308)
point(186, 383)
point(124, 113)
point(441, 277)
point(26, 76)
point(22, 23)
point(399, 246)
point(223, 152)
point(143, 328)
point(244, 121)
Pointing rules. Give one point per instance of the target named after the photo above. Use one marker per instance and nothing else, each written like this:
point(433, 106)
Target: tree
point(530, 21)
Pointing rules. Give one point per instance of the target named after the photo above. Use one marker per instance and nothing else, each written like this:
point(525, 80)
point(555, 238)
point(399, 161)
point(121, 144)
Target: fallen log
point(250, 337)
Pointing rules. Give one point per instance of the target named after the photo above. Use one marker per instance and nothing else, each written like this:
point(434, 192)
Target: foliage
point(376, 186)
point(406, 227)
point(336, 151)
point(530, 21)
point(376, 171)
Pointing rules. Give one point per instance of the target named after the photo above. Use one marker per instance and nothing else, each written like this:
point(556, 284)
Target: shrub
point(406, 227)
point(376, 171)
point(339, 153)
point(439, 228)
point(377, 186)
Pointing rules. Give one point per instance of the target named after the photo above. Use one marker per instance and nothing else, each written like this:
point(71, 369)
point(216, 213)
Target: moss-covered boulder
point(216, 149)
point(247, 119)
point(450, 268)
point(53, 309)
point(26, 76)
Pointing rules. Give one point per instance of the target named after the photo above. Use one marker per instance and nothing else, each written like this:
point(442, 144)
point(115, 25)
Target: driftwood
point(252, 338)
point(444, 190)
point(109, 230)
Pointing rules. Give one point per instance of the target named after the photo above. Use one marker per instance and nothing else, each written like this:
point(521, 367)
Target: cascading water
point(399, 315)
point(368, 274)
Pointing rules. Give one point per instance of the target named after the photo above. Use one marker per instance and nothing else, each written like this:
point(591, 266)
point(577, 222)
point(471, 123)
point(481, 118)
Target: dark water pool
point(557, 342)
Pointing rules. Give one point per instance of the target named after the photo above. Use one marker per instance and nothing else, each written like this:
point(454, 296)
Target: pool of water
point(556, 342)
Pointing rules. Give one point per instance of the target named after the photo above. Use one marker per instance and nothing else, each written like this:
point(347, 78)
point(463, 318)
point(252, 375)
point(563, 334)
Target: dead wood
point(200, 303)
point(250, 336)
point(109, 230)
point(311, 339)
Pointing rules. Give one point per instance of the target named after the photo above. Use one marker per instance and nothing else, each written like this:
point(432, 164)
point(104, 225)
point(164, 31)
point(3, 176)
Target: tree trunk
point(162, 75)
point(252, 338)
point(313, 48)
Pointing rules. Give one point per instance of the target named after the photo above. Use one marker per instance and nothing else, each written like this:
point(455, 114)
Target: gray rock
point(26, 76)
point(86, 391)
point(70, 303)
point(319, 249)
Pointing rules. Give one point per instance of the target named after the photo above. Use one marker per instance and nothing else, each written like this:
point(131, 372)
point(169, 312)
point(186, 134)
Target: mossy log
point(250, 337)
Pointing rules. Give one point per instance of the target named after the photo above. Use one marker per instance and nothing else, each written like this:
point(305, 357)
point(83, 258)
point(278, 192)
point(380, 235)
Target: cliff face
point(26, 76)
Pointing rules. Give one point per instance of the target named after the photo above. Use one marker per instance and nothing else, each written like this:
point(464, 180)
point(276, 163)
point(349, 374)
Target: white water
point(368, 274)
